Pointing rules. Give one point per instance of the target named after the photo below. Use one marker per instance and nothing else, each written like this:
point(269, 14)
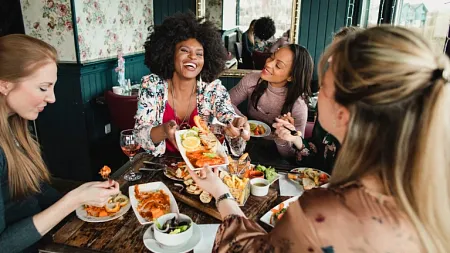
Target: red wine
point(131, 150)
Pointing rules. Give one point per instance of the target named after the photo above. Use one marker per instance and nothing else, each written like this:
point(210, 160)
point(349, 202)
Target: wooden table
point(123, 234)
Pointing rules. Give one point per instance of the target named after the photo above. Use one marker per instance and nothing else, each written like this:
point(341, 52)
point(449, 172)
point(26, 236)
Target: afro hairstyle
point(162, 39)
point(264, 28)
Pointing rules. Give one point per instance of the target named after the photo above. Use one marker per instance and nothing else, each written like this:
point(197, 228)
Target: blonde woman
point(29, 207)
point(385, 96)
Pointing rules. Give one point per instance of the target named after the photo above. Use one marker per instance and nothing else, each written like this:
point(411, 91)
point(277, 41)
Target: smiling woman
point(281, 89)
point(29, 206)
point(186, 56)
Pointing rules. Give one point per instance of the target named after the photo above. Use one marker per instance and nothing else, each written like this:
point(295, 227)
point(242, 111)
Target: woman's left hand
point(239, 127)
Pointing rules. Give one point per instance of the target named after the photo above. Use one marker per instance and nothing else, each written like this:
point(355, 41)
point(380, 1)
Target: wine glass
point(130, 146)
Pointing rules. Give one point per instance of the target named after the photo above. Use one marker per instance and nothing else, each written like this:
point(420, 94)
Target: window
point(279, 11)
point(369, 14)
point(429, 18)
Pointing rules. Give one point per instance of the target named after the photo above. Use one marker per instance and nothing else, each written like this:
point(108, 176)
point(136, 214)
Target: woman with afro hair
point(185, 56)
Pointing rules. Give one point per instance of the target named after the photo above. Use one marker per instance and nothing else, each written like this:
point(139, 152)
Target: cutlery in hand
point(293, 132)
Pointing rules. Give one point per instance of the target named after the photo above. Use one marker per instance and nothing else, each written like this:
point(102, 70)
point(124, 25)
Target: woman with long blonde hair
point(29, 207)
point(385, 96)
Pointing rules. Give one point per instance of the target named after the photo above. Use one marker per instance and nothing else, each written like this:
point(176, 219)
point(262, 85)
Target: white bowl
point(174, 239)
point(118, 90)
point(257, 190)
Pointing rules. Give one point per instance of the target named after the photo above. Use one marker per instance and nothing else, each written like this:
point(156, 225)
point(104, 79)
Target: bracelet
point(224, 197)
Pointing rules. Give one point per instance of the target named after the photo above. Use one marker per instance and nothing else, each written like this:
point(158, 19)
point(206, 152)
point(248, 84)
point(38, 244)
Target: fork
point(293, 132)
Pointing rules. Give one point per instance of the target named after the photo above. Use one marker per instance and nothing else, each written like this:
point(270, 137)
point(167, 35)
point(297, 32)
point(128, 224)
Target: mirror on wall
point(234, 17)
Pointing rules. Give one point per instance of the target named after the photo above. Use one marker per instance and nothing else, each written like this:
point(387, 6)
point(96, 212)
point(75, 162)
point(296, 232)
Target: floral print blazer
point(213, 100)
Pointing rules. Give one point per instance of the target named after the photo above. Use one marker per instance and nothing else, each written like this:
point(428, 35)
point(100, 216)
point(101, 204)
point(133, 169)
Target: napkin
point(208, 236)
point(287, 187)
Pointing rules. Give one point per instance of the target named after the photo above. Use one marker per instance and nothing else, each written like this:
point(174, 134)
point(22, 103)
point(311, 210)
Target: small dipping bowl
point(259, 187)
point(174, 239)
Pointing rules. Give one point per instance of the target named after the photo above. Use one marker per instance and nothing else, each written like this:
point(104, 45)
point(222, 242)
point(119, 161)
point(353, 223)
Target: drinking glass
point(130, 146)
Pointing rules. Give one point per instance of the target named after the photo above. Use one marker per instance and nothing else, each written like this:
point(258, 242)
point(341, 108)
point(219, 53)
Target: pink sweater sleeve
point(243, 90)
point(300, 115)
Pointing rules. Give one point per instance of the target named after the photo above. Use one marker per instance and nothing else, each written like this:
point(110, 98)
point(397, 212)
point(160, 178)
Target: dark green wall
point(164, 8)
point(318, 21)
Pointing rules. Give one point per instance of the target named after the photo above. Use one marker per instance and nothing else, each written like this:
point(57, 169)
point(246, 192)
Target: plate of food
point(199, 147)
point(193, 189)
point(117, 206)
point(309, 178)
point(258, 129)
point(275, 214)
point(244, 169)
point(176, 171)
point(150, 201)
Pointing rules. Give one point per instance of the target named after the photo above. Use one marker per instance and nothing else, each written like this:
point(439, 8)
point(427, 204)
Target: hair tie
point(438, 74)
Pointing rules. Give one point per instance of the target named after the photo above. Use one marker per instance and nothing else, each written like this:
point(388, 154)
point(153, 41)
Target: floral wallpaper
point(213, 12)
point(51, 21)
point(106, 27)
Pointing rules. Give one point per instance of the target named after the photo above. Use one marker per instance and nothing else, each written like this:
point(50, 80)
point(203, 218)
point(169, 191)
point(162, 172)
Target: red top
point(169, 115)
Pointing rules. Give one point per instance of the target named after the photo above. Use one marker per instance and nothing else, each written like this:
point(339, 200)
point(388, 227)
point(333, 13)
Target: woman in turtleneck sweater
point(281, 88)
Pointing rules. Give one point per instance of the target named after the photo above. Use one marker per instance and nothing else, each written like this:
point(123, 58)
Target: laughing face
point(277, 70)
point(29, 96)
point(188, 59)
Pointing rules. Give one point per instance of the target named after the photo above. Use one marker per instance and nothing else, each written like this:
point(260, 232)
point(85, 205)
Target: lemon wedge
point(189, 133)
point(191, 142)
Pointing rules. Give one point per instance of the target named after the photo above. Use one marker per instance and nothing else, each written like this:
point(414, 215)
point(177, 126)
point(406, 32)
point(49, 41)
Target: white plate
point(266, 127)
point(151, 244)
point(266, 216)
point(82, 214)
point(302, 169)
point(169, 176)
point(154, 186)
point(220, 152)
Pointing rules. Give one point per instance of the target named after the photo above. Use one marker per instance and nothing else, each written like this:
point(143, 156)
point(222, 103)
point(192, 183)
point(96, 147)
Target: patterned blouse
point(213, 100)
point(350, 218)
point(319, 151)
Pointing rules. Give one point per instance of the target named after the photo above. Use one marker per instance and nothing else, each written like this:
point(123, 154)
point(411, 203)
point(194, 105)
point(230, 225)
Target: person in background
point(282, 87)
point(320, 150)
point(248, 42)
point(385, 95)
point(185, 56)
point(264, 31)
point(29, 206)
point(281, 42)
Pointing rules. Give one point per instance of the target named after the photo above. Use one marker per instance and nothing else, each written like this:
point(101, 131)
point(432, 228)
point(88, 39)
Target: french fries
point(238, 187)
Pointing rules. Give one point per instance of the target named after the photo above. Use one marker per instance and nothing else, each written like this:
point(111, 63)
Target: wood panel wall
point(164, 8)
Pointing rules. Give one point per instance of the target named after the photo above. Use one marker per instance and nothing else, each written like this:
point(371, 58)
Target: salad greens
point(173, 226)
point(210, 155)
point(269, 172)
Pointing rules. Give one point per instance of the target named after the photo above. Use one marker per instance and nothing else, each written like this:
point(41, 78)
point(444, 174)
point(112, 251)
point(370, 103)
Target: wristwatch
point(223, 197)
